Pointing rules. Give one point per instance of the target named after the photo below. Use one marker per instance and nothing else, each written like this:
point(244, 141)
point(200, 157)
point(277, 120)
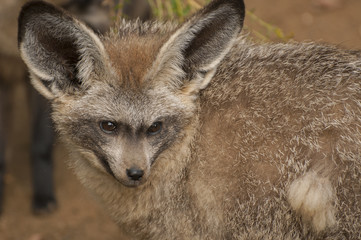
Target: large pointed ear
point(60, 52)
point(189, 59)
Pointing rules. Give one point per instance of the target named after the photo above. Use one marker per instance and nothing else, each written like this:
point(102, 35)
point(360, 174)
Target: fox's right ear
point(60, 52)
point(189, 59)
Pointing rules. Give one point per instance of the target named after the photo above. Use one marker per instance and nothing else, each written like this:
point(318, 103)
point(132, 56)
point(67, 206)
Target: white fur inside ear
point(313, 197)
point(86, 63)
point(38, 85)
point(200, 82)
point(90, 156)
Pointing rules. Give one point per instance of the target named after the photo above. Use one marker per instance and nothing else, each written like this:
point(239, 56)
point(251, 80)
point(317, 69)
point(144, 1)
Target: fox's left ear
point(61, 53)
point(189, 59)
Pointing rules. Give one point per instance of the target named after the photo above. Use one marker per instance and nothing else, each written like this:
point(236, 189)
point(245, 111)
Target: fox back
point(192, 131)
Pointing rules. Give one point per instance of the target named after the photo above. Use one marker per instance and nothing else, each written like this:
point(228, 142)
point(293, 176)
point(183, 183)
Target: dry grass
point(179, 10)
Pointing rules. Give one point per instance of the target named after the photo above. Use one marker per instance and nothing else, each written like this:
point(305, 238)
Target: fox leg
point(41, 156)
point(2, 152)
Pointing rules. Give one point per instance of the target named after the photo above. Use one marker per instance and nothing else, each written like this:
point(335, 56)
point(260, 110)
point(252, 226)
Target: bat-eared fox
point(193, 131)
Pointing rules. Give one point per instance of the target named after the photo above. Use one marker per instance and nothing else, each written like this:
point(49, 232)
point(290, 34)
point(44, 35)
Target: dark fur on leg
point(41, 156)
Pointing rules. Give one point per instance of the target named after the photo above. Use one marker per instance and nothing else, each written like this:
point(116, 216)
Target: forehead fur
point(133, 47)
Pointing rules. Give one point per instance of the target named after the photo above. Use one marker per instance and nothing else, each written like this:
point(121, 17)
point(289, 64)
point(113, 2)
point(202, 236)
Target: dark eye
point(108, 126)
point(154, 128)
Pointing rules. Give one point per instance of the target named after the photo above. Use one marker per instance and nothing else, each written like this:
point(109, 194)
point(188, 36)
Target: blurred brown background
point(78, 216)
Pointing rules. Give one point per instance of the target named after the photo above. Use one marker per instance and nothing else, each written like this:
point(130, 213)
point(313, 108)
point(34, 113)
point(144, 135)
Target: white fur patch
point(313, 197)
point(90, 156)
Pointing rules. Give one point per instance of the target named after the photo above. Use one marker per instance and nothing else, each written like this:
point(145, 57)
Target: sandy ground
point(78, 216)
point(332, 21)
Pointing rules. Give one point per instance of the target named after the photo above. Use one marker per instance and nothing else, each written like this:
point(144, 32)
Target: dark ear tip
point(30, 9)
point(236, 5)
point(240, 6)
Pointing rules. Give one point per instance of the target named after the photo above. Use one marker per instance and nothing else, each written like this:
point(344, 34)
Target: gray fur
point(258, 141)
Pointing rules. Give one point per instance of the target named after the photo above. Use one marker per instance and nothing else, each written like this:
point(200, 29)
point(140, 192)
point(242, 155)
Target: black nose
point(135, 174)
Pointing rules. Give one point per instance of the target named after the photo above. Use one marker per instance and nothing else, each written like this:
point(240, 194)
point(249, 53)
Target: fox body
point(194, 132)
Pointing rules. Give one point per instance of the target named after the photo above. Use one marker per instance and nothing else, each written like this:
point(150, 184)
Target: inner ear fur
point(60, 52)
point(219, 23)
point(189, 59)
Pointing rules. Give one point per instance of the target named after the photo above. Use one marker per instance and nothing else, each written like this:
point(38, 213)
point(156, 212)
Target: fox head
point(124, 99)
